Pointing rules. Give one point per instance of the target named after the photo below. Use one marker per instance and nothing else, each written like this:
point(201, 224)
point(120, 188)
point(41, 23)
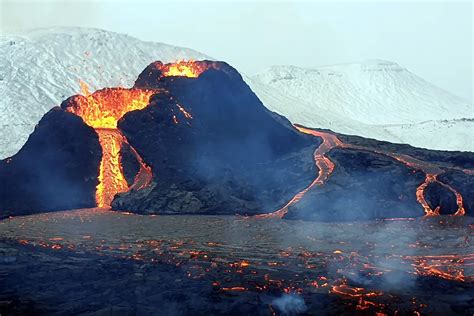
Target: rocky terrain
point(98, 262)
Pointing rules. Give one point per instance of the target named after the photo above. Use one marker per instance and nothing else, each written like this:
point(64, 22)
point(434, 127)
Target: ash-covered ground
point(100, 262)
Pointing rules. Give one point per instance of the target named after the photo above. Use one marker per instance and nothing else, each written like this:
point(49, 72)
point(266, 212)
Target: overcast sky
point(432, 39)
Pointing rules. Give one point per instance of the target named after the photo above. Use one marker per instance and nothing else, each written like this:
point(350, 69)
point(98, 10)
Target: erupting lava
point(102, 110)
point(184, 68)
point(326, 167)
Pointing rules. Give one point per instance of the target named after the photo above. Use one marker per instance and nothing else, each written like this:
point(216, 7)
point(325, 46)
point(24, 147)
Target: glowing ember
point(323, 258)
point(102, 110)
point(363, 296)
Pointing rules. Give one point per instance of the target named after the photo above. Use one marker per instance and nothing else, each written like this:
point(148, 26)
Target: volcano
point(192, 138)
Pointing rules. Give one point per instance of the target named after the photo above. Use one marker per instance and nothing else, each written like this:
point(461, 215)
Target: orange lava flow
point(102, 110)
point(459, 201)
point(111, 178)
point(432, 171)
point(362, 295)
point(182, 68)
point(324, 164)
point(448, 267)
point(420, 195)
point(326, 167)
point(430, 178)
point(144, 175)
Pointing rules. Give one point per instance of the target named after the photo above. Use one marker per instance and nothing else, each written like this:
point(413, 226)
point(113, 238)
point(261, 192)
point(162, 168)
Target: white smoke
point(289, 304)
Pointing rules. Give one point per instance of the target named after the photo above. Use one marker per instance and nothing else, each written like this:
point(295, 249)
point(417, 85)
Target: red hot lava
point(102, 110)
point(326, 167)
point(182, 68)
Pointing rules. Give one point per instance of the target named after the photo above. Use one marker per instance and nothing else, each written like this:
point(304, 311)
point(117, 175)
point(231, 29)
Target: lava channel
point(324, 164)
point(326, 167)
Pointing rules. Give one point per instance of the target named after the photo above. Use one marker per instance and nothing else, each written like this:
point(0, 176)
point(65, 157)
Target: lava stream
point(102, 110)
point(111, 178)
point(324, 164)
point(326, 167)
point(420, 195)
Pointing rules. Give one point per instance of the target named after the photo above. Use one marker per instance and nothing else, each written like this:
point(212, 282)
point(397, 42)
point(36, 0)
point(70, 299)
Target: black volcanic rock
point(441, 157)
point(129, 163)
point(214, 147)
point(438, 196)
point(464, 184)
point(362, 186)
point(56, 169)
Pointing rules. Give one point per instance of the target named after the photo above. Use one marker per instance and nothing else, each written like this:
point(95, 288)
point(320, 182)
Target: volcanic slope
point(195, 127)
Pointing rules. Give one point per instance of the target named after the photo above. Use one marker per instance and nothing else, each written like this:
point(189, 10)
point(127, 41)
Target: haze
point(432, 39)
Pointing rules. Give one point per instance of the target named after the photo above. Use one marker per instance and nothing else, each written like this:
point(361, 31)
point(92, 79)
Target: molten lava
point(182, 68)
point(326, 167)
point(102, 110)
point(105, 107)
point(111, 178)
point(324, 164)
point(420, 195)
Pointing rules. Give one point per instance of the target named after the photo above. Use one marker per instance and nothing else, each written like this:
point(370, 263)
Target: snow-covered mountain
point(374, 99)
point(41, 68)
point(377, 99)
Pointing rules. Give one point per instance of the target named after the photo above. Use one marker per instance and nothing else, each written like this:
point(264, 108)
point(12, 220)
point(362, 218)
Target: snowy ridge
point(373, 92)
point(375, 99)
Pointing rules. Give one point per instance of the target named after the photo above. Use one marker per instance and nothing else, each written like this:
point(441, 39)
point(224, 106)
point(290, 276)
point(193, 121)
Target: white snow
point(375, 99)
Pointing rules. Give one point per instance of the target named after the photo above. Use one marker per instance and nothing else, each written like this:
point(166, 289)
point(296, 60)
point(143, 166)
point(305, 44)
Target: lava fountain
point(102, 110)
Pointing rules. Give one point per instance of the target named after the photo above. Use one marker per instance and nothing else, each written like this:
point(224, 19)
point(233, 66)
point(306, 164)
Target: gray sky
point(432, 39)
